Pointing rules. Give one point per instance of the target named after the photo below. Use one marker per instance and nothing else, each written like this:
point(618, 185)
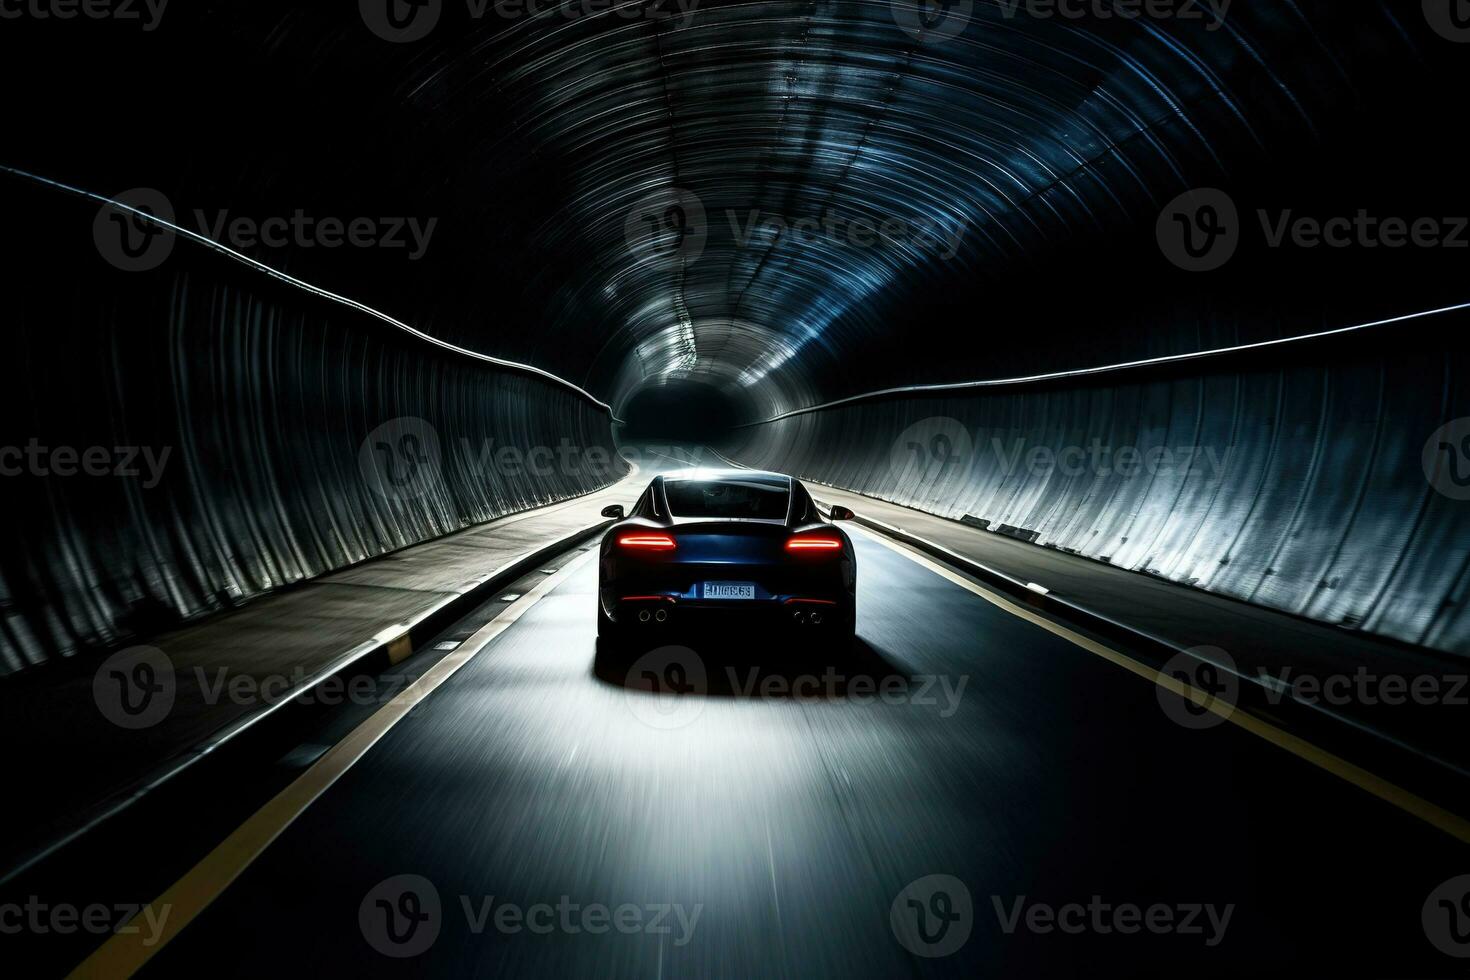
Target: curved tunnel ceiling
point(750, 195)
point(750, 186)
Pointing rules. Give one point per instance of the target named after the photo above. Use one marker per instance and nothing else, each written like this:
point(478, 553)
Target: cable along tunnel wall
point(1314, 481)
point(193, 436)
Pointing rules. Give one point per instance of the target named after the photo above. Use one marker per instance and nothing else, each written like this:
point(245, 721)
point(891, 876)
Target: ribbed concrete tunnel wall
point(1023, 160)
point(250, 421)
point(1295, 480)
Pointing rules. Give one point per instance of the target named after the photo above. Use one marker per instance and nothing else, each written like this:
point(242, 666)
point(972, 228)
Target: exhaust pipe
point(815, 618)
point(799, 616)
point(643, 615)
point(662, 615)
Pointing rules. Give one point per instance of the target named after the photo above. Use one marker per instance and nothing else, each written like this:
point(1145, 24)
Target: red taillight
point(647, 542)
point(809, 544)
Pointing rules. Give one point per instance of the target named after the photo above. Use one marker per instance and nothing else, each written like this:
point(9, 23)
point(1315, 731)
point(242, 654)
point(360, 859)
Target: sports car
point(722, 550)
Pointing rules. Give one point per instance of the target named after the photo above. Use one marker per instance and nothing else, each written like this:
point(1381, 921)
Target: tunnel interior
point(858, 204)
point(698, 220)
point(339, 344)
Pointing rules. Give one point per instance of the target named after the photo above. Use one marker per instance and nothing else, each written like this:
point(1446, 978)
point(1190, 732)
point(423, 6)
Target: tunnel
point(1114, 349)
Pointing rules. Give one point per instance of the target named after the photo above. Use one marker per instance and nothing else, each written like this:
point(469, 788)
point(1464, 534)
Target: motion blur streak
point(796, 814)
point(331, 331)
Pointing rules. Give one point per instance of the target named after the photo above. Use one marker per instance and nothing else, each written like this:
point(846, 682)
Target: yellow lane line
point(125, 953)
point(1416, 806)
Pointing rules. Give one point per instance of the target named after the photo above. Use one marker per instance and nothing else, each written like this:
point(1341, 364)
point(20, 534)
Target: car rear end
point(727, 568)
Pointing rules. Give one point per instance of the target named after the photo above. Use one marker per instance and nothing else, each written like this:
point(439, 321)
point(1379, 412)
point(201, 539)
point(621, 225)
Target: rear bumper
point(654, 611)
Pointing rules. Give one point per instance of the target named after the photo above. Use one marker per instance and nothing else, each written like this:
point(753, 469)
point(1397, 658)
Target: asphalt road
point(563, 823)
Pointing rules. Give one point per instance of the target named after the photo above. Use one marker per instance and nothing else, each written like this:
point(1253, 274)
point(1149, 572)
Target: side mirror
point(840, 513)
point(615, 512)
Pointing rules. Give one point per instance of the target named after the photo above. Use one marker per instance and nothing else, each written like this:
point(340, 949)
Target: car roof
point(724, 473)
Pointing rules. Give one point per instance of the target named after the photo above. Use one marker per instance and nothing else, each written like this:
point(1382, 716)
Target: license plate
point(728, 590)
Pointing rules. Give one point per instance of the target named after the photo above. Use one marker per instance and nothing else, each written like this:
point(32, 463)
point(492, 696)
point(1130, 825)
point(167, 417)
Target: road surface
point(542, 813)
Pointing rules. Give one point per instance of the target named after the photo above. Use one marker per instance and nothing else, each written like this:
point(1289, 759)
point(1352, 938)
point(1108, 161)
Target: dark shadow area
point(685, 411)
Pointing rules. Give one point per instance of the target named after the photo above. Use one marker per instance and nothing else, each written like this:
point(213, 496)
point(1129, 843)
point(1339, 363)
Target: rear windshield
point(763, 500)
